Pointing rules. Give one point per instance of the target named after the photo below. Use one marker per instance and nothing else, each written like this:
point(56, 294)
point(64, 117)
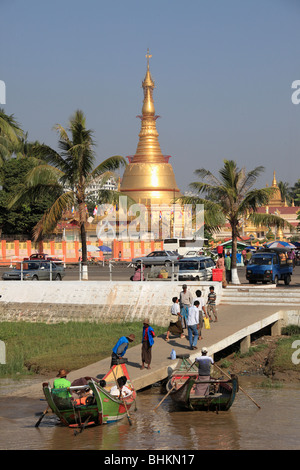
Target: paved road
point(123, 272)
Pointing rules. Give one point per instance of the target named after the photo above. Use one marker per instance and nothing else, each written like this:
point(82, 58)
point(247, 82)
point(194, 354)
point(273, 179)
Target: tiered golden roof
point(149, 178)
point(275, 200)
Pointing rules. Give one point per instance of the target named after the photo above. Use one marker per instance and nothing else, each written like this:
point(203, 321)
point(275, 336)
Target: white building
point(96, 185)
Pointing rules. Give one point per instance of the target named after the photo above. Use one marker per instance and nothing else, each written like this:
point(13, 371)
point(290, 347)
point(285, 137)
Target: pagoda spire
point(148, 148)
point(149, 177)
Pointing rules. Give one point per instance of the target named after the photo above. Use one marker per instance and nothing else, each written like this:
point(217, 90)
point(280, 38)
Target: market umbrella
point(280, 244)
point(105, 248)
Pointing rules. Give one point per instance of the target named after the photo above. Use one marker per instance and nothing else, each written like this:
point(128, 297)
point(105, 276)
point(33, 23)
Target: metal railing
point(110, 269)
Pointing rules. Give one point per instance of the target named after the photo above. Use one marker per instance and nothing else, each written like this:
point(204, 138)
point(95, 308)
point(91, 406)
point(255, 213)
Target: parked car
point(196, 268)
point(42, 256)
point(269, 266)
point(35, 271)
point(158, 257)
point(193, 253)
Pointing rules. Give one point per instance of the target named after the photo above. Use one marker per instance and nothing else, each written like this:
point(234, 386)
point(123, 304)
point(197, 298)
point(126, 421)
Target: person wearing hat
point(120, 348)
point(61, 382)
point(204, 369)
point(147, 343)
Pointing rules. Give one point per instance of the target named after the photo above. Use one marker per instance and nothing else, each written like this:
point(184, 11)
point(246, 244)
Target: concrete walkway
point(234, 323)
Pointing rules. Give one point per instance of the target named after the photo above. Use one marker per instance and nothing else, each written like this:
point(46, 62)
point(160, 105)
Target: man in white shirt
point(202, 310)
point(193, 324)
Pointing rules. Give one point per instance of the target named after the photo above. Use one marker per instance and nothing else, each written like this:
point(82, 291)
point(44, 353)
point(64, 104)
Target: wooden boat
point(218, 396)
point(90, 404)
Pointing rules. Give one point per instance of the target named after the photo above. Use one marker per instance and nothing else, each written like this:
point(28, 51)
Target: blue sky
point(223, 71)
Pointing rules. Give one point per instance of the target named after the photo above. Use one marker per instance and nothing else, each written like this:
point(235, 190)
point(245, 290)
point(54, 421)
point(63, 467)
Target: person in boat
point(147, 343)
point(175, 326)
point(121, 389)
point(120, 349)
point(61, 380)
point(204, 372)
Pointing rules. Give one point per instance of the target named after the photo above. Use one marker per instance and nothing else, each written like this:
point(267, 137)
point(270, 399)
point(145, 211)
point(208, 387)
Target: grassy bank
point(286, 356)
point(278, 358)
point(39, 348)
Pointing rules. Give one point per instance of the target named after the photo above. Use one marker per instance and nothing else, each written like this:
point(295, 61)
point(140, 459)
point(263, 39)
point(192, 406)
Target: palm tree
point(71, 169)
point(10, 135)
point(231, 196)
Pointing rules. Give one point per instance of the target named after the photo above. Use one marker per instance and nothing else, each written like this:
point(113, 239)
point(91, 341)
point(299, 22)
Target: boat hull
point(96, 409)
point(220, 397)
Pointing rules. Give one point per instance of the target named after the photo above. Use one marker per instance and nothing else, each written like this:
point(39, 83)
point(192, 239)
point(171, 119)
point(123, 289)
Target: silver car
point(35, 271)
point(158, 257)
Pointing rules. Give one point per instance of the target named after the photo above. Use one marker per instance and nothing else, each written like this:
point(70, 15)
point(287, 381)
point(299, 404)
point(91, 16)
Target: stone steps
point(261, 296)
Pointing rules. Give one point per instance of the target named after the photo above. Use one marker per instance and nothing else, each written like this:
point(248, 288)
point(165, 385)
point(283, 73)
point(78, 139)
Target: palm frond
point(39, 180)
point(53, 215)
point(214, 218)
point(110, 164)
point(266, 220)
point(250, 178)
point(256, 198)
point(207, 175)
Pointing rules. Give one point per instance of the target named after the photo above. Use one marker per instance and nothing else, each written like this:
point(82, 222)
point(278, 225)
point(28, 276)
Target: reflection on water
point(275, 426)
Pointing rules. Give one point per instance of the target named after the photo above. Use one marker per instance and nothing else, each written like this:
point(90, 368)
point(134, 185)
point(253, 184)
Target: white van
point(198, 268)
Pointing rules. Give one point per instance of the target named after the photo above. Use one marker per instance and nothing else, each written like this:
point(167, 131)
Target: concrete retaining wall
point(99, 301)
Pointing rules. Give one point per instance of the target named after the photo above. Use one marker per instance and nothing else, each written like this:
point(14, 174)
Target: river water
point(244, 427)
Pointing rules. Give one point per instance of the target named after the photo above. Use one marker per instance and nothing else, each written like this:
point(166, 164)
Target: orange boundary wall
point(69, 252)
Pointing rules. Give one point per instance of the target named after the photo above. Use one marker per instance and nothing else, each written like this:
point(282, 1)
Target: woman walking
point(147, 343)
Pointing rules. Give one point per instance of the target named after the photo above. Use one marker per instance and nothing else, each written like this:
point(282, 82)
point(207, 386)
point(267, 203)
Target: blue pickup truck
point(269, 266)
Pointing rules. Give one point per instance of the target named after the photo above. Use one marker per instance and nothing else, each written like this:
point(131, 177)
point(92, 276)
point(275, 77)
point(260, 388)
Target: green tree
point(70, 169)
point(285, 191)
point(10, 135)
point(232, 196)
point(295, 193)
point(21, 219)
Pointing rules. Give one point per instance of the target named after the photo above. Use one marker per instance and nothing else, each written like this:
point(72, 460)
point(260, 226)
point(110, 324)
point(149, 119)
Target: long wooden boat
point(90, 404)
point(218, 395)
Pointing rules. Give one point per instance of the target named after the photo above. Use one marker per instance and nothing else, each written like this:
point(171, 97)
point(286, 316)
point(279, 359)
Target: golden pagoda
point(275, 200)
point(149, 177)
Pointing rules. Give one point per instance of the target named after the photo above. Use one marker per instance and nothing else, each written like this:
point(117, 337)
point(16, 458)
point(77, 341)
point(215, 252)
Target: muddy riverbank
point(261, 361)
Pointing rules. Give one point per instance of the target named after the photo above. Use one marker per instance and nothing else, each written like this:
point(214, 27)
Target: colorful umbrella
point(105, 248)
point(280, 244)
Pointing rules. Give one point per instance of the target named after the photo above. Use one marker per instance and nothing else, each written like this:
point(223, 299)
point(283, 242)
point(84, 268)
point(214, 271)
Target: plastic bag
point(206, 323)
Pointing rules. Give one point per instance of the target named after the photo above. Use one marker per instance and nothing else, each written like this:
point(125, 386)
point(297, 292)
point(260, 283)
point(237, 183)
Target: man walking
point(193, 324)
point(186, 301)
point(228, 267)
